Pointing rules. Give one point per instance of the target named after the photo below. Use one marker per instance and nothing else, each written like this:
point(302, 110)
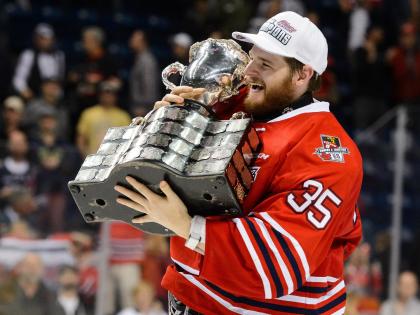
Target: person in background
point(405, 66)
point(50, 100)
point(56, 160)
point(16, 170)
point(146, 303)
point(30, 295)
point(126, 255)
point(97, 65)
point(39, 63)
point(358, 24)
point(81, 248)
point(144, 75)
point(407, 302)
point(11, 120)
point(95, 121)
point(180, 46)
point(67, 300)
point(370, 79)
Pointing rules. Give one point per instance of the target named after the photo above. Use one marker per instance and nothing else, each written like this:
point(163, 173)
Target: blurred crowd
point(77, 68)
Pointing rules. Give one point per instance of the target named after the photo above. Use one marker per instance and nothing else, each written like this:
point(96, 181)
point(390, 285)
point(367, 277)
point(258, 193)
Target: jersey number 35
point(315, 199)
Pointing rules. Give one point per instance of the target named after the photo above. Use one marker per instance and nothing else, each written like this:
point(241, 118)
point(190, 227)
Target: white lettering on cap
point(280, 30)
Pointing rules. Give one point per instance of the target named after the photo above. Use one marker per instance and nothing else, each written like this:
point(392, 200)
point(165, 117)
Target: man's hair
point(296, 66)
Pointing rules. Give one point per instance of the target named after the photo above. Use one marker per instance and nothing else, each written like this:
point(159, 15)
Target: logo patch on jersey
point(331, 150)
point(254, 171)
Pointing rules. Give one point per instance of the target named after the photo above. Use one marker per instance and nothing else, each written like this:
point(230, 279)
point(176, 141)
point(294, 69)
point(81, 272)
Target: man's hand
point(168, 211)
point(178, 95)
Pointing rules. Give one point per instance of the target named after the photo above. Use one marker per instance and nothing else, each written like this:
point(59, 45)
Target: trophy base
point(203, 195)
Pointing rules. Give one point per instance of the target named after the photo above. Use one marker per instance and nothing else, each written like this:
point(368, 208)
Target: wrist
point(183, 229)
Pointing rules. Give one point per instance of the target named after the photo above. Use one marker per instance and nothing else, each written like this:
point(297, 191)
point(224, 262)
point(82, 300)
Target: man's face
point(407, 285)
point(31, 268)
point(12, 116)
point(108, 98)
point(51, 90)
point(44, 43)
point(137, 41)
point(18, 144)
point(270, 84)
point(90, 43)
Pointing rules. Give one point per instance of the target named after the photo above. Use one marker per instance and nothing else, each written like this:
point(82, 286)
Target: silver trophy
point(205, 160)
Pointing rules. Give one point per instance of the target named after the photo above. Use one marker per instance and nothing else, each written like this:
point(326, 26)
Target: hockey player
point(286, 256)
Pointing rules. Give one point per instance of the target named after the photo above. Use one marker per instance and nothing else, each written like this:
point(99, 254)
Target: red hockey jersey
point(286, 256)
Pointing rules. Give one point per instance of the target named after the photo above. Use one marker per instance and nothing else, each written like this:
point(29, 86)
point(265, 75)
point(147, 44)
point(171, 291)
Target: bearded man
point(286, 256)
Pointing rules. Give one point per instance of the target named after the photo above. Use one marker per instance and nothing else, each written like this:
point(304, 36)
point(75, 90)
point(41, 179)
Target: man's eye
point(265, 65)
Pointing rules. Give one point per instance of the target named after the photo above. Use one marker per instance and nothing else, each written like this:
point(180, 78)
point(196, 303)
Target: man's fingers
point(194, 94)
point(141, 188)
point(131, 204)
point(167, 190)
point(171, 98)
point(181, 89)
point(136, 197)
point(143, 219)
point(160, 104)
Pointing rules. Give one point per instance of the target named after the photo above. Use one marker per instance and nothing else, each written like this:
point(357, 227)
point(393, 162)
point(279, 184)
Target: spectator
point(21, 206)
point(406, 303)
point(13, 108)
point(50, 101)
point(30, 296)
point(126, 255)
point(96, 66)
point(359, 23)
point(67, 300)
point(144, 76)
point(370, 79)
point(201, 17)
point(55, 159)
point(362, 276)
point(145, 301)
point(95, 121)
point(39, 63)
point(16, 172)
point(268, 8)
point(81, 248)
point(155, 263)
point(180, 45)
point(405, 64)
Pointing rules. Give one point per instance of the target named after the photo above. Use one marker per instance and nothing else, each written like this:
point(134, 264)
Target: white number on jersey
point(316, 200)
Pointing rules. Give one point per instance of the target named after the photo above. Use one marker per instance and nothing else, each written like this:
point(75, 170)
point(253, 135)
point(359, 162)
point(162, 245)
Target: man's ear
point(303, 76)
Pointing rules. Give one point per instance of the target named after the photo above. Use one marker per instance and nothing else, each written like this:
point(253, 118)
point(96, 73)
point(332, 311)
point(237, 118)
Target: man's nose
point(250, 68)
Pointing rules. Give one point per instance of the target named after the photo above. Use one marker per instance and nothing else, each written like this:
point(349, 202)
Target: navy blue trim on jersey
point(307, 289)
point(267, 258)
point(290, 257)
point(277, 307)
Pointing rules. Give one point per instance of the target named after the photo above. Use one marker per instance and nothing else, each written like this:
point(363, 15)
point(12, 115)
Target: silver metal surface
point(214, 64)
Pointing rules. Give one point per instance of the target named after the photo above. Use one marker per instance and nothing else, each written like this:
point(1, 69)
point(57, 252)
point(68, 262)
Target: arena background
point(372, 82)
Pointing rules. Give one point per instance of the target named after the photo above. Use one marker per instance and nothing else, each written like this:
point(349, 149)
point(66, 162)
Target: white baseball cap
point(291, 35)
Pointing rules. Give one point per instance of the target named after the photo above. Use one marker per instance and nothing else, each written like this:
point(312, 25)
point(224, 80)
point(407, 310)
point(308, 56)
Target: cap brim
point(263, 42)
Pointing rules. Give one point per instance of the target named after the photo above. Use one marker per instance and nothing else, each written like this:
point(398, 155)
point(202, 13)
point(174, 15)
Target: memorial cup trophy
point(205, 160)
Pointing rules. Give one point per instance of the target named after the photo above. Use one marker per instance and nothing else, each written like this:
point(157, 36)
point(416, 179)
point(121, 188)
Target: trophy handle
point(173, 68)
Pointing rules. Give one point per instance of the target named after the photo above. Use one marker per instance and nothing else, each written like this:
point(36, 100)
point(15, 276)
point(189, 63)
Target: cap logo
point(286, 25)
point(278, 30)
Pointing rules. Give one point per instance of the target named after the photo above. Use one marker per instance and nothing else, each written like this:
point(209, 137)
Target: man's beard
point(275, 99)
